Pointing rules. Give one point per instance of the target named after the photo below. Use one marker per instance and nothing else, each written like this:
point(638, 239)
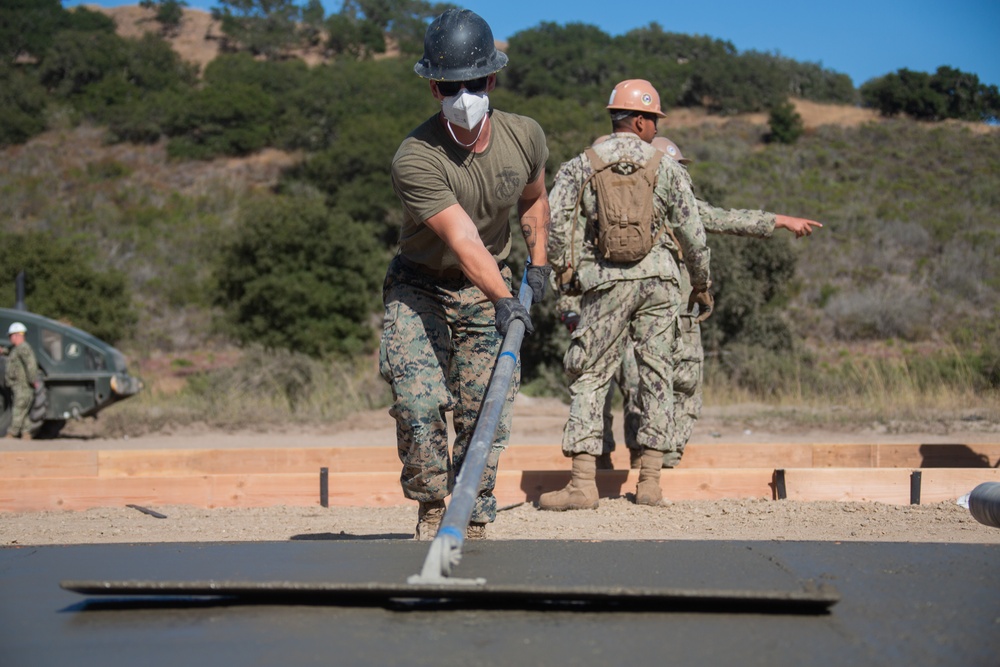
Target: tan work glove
point(705, 303)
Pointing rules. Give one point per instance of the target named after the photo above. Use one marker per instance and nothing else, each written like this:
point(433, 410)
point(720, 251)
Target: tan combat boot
point(429, 517)
point(580, 493)
point(475, 531)
point(648, 492)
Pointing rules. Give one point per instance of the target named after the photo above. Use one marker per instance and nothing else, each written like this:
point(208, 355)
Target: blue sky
point(860, 38)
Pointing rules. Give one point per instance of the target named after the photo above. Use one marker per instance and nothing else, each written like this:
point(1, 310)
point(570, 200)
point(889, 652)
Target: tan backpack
point(625, 213)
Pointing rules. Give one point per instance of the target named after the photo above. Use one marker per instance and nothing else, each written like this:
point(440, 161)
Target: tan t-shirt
point(430, 173)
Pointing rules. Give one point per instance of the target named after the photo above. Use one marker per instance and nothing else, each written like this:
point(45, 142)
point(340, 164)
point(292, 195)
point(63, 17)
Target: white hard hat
point(17, 327)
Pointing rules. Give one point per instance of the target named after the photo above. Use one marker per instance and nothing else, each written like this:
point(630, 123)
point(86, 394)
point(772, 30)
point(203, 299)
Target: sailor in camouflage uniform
point(690, 355)
point(21, 377)
point(638, 301)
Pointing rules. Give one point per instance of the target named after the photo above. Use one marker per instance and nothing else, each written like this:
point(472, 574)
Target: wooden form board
point(180, 462)
point(381, 489)
point(891, 486)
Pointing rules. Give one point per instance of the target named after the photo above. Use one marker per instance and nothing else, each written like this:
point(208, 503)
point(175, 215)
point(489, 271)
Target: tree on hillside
point(27, 27)
point(576, 61)
point(786, 123)
point(967, 98)
point(751, 81)
point(79, 59)
point(362, 27)
point(948, 93)
point(168, 13)
point(669, 59)
point(61, 284)
point(581, 62)
point(298, 276)
point(313, 17)
point(266, 28)
point(22, 105)
point(229, 119)
point(121, 82)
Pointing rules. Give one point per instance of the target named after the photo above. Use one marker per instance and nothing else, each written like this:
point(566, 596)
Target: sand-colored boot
point(429, 517)
point(648, 491)
point(580, 493)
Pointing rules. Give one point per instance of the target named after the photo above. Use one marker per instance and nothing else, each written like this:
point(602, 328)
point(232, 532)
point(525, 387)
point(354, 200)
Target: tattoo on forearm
point(528, 231)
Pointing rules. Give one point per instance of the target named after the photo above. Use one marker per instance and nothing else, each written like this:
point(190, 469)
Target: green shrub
point(22, 105)
point(228, 119)
point(786, 123)
point(60, 283)
point(297, 276)
point(749, 279)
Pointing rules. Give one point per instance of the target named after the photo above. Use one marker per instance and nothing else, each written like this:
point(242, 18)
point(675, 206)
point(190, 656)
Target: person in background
point(21, 377)
point(689, 373)
point(617, 248)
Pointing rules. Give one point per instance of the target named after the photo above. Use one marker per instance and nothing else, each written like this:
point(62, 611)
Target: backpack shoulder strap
point(595, 160)
point(653, 166)
point(653, 172)
point(597, 164)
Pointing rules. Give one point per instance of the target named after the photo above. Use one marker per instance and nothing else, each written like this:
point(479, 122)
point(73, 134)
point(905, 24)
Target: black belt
point(443, 274)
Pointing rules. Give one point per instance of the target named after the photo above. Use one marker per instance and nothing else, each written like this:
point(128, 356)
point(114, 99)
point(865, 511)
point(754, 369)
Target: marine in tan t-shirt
point(430, 173)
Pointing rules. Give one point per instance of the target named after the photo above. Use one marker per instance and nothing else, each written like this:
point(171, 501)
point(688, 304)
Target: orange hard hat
point(636, 95)
point(670, 149)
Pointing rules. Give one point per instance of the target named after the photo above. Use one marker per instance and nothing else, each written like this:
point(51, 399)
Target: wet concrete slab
point(901, 604)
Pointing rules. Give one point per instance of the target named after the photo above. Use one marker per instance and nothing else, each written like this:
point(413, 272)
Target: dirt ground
point(536, 421)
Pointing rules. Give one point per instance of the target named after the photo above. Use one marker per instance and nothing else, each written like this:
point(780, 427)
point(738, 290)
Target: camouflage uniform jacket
point(674, 205)
point(22, 368)
point(735, 222)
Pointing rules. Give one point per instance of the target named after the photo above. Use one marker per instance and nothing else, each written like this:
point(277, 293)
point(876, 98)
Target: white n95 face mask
point(466, 109)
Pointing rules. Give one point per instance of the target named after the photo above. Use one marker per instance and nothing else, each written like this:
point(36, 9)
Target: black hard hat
point(458, 46)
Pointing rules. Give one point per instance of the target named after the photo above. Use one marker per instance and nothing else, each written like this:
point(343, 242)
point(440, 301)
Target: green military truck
point(82, 374)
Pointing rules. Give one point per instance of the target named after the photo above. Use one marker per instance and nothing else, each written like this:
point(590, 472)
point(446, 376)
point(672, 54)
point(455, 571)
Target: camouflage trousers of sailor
point(645, 313)
point(439, 346)
point(23, 397)
point(689, 358)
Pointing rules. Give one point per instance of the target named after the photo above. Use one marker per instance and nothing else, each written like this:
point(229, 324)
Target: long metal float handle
point(446, 549)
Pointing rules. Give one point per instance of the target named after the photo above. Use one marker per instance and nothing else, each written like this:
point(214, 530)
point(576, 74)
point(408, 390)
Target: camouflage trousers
point(23, 396)
point(643, 313)
point(689, 358)
point(439, 345)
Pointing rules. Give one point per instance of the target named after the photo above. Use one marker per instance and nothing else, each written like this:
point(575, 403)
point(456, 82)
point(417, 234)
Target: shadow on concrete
point(349, 537)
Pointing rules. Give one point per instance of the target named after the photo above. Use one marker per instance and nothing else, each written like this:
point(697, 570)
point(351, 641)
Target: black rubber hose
point(984, 504)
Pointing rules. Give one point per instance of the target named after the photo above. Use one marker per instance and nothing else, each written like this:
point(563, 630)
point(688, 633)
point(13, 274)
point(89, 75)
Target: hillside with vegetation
point(221, 209)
